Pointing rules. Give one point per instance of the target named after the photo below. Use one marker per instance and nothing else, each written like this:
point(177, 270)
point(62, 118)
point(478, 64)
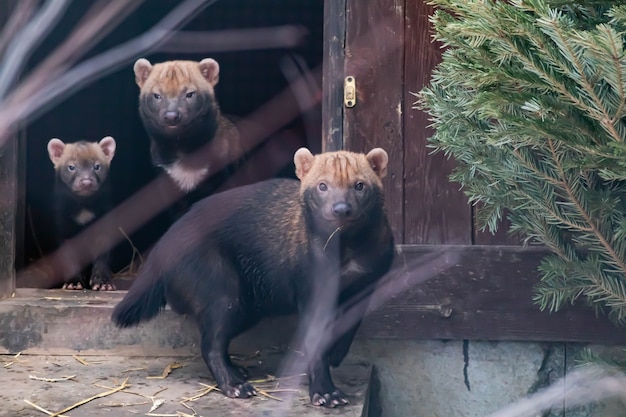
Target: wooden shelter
point(454, 282)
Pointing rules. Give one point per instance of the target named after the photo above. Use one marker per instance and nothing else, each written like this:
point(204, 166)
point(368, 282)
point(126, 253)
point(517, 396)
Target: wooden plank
point(477, 293)
point(436, 211)
point(9, 190)
point(8, 204)
point(332, 74)
point(7, 8)
point(445, 292)
point(374, 56)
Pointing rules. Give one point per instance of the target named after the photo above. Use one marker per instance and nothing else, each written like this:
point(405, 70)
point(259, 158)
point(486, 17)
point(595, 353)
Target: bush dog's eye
point(96, 167)
point(157, 96)
point(71, 167)
point(191, 94)
point(322, 186)
point(358, 186)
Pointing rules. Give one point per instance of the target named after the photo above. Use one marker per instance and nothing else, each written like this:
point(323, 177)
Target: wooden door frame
point(12, 174)
point(8, 215)
point(333, 74)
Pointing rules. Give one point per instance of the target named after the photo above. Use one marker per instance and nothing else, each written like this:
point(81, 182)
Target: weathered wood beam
point(477, 293)
point(11, 169)
point(8, 205)
point(433, 292)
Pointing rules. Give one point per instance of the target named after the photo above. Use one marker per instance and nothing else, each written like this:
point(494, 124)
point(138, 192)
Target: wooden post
point(8, 197)
point(333, 73)
point(8, 205)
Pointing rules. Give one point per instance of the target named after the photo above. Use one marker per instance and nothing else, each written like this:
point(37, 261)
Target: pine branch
point(530, 100)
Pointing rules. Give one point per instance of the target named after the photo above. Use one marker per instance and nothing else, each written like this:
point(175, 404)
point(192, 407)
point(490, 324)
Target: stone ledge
point(49, 327)
point(61, 322)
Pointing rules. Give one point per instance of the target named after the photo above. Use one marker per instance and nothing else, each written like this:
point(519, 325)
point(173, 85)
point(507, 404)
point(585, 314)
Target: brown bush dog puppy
point(264, 249)
point(180, 113)
point(81, 195)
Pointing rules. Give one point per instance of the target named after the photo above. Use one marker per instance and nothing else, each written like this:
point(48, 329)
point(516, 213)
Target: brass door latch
point(349, 91)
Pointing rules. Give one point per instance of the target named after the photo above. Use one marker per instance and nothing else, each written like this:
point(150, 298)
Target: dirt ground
point(74, 385)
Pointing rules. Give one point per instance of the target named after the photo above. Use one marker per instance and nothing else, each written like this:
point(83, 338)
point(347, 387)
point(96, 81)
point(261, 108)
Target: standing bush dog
point(315, 246)
point(81, 195)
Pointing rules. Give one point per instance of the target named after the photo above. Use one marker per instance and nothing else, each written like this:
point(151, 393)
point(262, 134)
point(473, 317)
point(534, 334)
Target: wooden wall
point(390, 52)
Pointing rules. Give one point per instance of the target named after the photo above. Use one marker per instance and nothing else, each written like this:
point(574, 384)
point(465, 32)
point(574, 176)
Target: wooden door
point(388, 51)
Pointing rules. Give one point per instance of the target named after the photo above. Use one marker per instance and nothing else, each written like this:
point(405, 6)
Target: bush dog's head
point(82, 166)
point(176, 95)
point(341, 188)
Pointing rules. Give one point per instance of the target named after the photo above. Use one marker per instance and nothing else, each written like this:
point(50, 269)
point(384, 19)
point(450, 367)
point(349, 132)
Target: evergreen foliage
point(530, 100)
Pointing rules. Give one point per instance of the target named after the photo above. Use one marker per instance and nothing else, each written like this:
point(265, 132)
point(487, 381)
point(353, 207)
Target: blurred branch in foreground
point(22, 12)
point(583, 386)
point(324, 335)
point(230, 40)
point(101, 19)
point(27, 39)
point(20, 106)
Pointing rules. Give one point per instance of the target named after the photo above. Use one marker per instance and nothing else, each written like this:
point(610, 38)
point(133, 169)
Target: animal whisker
point(338, 229)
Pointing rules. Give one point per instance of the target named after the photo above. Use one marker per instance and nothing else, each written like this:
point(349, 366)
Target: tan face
point(341, 187)
point(82, 166)
point(175, 94)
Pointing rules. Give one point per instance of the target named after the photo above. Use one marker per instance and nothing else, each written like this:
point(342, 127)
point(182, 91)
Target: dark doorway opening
point(248, 79)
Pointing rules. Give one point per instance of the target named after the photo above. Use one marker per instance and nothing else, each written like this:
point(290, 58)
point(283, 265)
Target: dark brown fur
point(81, 195)
point(316, 246)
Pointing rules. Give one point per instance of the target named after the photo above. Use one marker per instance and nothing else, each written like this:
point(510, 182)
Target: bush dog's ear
point(303, 158)
point(378, 160)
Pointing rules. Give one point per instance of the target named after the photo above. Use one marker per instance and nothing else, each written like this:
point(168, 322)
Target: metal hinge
point(349, 91)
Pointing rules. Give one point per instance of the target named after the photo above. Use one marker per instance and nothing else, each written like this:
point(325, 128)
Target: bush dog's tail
point(144, 300)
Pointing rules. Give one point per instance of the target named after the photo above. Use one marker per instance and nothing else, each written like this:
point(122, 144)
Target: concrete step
point(59, 334)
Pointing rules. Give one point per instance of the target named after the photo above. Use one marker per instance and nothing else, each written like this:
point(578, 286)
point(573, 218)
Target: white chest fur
point(186, 178)
point(84, 217)
point(352, 267)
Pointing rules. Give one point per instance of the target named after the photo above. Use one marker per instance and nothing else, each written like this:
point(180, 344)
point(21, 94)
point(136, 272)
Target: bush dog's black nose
point(85, 182)
point(172, 117)
point(342, 209)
